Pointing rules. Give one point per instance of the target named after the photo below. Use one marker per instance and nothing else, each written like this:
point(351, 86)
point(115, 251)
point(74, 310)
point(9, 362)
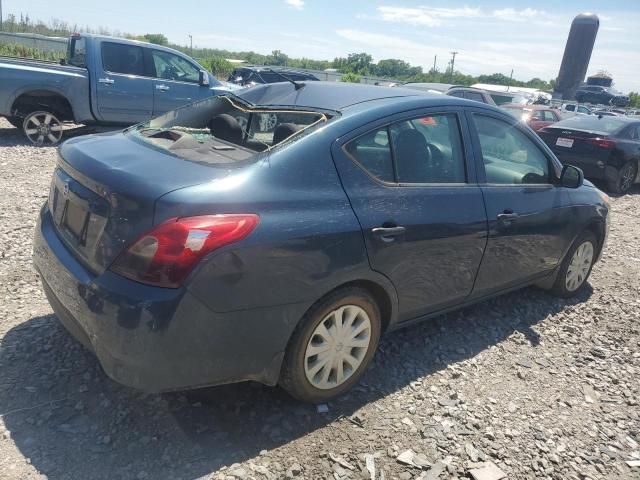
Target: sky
point(489, 35)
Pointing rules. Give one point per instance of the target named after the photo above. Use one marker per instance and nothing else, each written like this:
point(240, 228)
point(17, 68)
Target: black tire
point(293, 377)
point(625, 179)
point(560, 286)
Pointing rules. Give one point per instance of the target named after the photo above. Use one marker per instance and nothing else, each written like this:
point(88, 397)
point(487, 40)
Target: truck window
point(173, 67)
point(120, 58)
point(77, 53)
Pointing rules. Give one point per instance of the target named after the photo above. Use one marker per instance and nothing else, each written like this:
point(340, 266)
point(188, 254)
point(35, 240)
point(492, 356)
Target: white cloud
point(430, 17)
point(434, 17)
point(513, 15)
point(297, 4)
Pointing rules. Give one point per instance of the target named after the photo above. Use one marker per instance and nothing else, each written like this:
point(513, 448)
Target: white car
point(574, 109)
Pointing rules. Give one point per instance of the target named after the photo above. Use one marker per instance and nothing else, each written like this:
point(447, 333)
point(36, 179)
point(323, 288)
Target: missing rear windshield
point(226, 130)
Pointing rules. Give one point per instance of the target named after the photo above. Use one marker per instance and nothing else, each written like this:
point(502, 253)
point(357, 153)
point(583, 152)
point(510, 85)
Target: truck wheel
point(42, 128)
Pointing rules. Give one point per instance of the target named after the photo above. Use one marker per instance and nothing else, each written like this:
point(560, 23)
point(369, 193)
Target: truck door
point(176, 82)
point(124, 93)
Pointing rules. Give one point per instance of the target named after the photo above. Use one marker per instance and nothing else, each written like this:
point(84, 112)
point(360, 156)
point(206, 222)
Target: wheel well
point(378, 293)
point(42, 100)
point(597, 228)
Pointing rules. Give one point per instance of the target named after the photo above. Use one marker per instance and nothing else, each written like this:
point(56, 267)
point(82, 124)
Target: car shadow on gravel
point(71, 421)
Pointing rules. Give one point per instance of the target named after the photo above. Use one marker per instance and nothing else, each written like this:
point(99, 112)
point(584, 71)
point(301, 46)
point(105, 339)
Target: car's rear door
point(176, 81)
point(409, 181)
point(529, 216)
point(123, 89)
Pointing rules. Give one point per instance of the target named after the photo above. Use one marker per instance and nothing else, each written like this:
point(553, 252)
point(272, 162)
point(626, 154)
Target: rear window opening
point(223, 130)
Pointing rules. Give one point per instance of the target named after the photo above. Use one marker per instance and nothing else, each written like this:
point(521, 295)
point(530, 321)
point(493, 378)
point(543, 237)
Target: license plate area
point(564, 142)
point(75, 221)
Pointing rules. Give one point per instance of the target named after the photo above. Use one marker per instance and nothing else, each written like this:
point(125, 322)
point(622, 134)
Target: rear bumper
point(158, 339)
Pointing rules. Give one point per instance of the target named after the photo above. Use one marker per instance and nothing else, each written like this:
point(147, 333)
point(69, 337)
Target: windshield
point(592, 123)
point(224, 129)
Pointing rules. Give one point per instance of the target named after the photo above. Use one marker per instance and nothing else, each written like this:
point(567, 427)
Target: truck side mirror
point(571, 177)
point(203, 79)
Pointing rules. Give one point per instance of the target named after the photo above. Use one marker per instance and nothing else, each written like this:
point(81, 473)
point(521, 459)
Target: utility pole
point(435, 61)
point(191, 41)
point(0, 15)
point(510, 80)
point(453, 61)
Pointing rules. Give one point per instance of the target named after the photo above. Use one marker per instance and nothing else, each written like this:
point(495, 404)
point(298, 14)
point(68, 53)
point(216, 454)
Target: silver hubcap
point(42, 128)
point(627, 178)
point(337, 347)
point(579, 266)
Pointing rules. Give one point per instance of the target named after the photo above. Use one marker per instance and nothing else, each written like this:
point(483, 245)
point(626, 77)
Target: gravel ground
point(535, 386)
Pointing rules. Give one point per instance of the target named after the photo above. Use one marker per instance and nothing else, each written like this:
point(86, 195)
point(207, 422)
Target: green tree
point(157, 38)
point(359, 63)
point(350, 78)
point(277, 58)
point(634, 99)
point(220, 67)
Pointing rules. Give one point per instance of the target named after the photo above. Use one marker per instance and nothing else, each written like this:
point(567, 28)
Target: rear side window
point(456, 94)
point(373, 152)
point(77, 54)
point(476, 97)
point(119, 58)
point(425, 150)
point(509, 156)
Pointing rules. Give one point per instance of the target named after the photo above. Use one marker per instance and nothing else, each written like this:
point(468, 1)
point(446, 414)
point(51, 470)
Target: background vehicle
point(214, 255)
point(254, 75)
point(536, 116)
point(459, 91)
point(576, 109)
point(601, 95)
point(470, 93)
point(605, 147)
point(102, 80)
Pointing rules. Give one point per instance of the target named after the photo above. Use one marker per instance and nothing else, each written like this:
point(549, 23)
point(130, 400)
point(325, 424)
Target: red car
point(536, 116)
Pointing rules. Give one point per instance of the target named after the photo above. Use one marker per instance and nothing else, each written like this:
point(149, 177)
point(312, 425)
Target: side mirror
point(203, 79)
point(571, 177)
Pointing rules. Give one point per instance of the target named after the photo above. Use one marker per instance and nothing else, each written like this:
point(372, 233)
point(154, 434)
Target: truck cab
point(103, 80)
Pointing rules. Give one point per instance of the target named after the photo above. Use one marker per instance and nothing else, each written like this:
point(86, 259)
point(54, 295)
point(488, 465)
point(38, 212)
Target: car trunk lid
point(104, 190)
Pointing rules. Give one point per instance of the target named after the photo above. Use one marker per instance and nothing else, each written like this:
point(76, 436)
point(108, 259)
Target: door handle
point(507, 217)
point(162, 88)
point(106, 81)
point(387, 233)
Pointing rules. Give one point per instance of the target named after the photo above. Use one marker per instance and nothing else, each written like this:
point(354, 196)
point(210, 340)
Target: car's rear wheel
point(625, 179)
point(332, 346)
point(42, 128)
point(576, 266)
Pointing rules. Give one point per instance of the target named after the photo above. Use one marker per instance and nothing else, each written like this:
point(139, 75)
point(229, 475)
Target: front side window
point(549, 116)
point(120, 58)
point(417, 151)
point(173, 67)
point(476, 97)
point(508, 155)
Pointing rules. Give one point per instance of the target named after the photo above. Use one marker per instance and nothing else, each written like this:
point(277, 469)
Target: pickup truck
point(102, 81)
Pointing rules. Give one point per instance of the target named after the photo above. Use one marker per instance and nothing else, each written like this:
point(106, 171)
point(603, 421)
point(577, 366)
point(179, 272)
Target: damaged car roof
point(325, 95)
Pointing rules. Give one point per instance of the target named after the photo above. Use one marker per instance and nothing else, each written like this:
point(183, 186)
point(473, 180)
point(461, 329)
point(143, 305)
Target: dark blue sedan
point(275, 235)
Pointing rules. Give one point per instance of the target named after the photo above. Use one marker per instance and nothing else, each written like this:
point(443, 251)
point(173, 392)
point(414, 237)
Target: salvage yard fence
point(34, 40)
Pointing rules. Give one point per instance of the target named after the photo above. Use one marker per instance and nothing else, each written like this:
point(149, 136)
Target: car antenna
point(297, 85)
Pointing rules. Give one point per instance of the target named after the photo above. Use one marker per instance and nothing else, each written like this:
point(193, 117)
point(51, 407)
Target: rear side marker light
point(166, 255)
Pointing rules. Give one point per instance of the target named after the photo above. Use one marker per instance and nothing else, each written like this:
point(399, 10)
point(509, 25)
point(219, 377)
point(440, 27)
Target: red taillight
point(165, 255)
point(602, 143)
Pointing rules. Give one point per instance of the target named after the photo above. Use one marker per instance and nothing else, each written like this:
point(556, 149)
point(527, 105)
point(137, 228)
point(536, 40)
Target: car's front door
point(176, 82)
point(529, 216)
point(123, 90)
point(420, 209)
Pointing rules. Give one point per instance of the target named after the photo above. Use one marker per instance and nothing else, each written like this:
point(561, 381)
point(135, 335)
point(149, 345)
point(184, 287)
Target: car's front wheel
point(576, 266)
point(625, 179)
point(332, 346)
